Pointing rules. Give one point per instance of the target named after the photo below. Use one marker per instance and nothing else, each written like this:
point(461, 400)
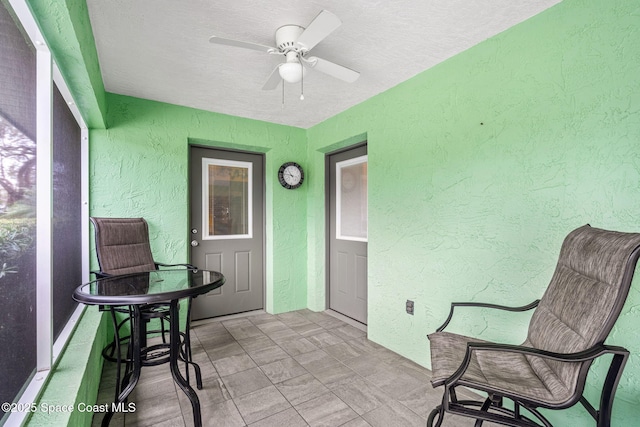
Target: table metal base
point(137, 357)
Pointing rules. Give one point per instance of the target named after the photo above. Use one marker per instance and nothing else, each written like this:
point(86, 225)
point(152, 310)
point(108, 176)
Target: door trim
point(327, 217)
point(263, 208)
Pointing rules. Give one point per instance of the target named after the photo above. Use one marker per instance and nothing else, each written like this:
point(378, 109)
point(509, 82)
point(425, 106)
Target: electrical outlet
point(409, 307)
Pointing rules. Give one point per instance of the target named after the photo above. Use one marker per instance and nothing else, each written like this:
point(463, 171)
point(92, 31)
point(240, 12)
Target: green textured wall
point(139, 168)
point(480, 166)
point(75, 380)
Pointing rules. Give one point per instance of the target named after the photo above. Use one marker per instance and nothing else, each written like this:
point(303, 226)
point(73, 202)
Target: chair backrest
point(584, 298)
point(122, 245)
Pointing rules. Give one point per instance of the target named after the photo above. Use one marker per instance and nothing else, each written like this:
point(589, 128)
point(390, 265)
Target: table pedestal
point(135, 360)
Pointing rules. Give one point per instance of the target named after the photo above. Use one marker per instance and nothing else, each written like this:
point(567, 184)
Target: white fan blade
point(245, 45)
point(321, 26)
point(334, 70)
point(273, 80)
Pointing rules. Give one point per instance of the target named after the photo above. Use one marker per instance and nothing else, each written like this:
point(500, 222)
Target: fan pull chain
point(283, 94)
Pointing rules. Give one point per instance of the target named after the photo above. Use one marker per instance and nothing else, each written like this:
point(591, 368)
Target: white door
point(348, 233)
point(227, 205)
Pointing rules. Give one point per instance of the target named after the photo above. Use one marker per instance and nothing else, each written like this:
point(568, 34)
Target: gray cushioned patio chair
point(123, 247)
point(566, 333)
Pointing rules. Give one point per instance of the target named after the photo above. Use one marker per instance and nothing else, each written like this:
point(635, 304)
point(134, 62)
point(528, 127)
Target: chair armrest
point(581, 356)
point(188, 266)
point(534, 304)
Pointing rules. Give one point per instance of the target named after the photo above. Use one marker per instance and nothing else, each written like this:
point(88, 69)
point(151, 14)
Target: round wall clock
point(290, 175)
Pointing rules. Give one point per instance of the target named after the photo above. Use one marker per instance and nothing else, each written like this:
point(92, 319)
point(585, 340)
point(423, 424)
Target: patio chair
point(123, 247)
point(566, 333)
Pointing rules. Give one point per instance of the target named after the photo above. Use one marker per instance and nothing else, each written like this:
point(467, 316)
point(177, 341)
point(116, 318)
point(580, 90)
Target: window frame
point(206, 162)
point(339, 195)
point(48, 73)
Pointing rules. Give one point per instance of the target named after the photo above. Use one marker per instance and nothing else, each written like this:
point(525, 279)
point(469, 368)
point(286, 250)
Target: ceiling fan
point(294, 43)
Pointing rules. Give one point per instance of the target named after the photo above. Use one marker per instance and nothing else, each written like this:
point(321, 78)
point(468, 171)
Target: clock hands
point(291, 174)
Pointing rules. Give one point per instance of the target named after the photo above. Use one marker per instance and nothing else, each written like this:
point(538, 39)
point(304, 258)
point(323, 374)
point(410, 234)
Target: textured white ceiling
point(160, 50)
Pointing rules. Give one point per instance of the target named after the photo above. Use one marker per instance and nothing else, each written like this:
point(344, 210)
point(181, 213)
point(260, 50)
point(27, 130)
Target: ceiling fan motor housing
point(287, 36)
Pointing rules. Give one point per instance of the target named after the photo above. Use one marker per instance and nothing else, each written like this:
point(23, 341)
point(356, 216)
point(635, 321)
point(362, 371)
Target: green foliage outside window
point(17, 197)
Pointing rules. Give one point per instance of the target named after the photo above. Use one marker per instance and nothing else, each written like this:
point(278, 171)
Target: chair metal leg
point(163, 330)
point(174, 339)
point(133, 375)
point(187, 353)
point(449, 392)
point(116, 348)
point(437, 412)
point(187, 357)
point(494, 401)
point(484, 408)
point(609, 388)
point(499, 414)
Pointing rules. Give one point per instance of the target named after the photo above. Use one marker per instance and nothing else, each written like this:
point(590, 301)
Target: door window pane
point(226, 199)
point(17, 208)
point(351, 199)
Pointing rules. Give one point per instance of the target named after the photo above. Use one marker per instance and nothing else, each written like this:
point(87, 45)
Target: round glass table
point(138, 292)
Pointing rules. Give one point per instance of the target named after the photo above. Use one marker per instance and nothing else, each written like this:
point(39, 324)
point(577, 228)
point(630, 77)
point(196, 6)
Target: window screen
point(67, 220)
point(17, 207)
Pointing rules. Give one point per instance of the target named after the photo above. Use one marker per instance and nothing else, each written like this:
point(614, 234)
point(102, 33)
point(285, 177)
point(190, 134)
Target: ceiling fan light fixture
point(292, 72)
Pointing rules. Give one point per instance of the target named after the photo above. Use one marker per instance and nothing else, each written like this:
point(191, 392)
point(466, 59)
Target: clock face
point(290, 175)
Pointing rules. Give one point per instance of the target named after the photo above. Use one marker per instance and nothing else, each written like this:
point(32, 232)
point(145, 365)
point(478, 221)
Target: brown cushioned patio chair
point(566, 333)
point(123, 247)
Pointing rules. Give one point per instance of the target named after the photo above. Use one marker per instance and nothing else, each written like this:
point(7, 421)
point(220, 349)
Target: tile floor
point(294, 369)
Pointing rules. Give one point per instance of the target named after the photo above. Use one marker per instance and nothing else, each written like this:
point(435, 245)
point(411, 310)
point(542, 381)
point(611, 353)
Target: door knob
point(194, 243)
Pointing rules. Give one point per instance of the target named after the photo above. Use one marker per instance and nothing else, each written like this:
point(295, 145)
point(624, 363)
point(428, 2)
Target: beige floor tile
point(394, 414)
point(326, 410)
point(293, 369)
point(245, 382)
point(300, 389)
point(288, 418)
point(261, 404)
point(283, 370)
